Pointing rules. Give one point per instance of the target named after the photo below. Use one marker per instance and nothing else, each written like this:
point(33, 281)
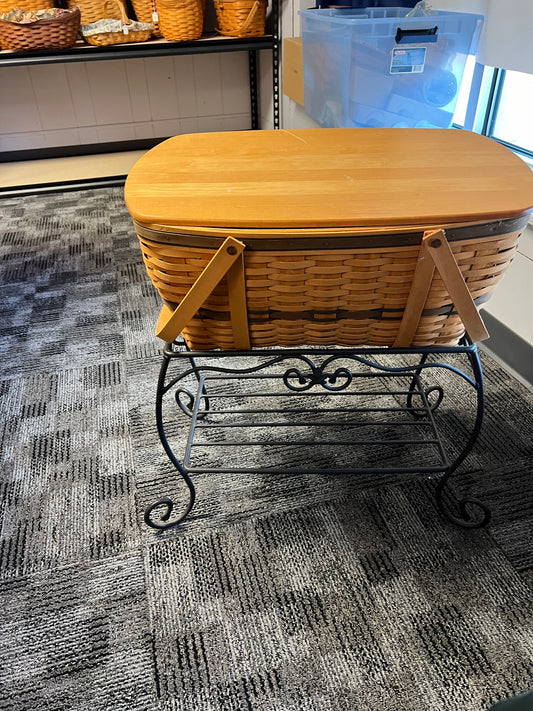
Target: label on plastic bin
point(408, 60)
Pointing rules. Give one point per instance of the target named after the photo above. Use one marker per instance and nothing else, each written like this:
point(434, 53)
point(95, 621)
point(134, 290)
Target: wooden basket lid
point(316, 178)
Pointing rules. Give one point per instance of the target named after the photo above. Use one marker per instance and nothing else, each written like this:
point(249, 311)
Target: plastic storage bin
point(377, 68)
point(367, 3)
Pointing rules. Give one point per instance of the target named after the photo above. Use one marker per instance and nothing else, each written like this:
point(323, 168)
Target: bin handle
point(428, 35)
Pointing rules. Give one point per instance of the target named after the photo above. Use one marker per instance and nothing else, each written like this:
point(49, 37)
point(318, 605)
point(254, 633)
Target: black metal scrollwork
point(185, 400)
point(433, 402)
point(302, 375)
point(317, 376)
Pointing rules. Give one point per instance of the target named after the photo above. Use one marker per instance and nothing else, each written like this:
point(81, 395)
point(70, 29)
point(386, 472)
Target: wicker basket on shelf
point(94, 10)
point(180, 20)
point(126, 31)
point(7, 5)
point(54, 33)
point(146, 11)
point(241, 18)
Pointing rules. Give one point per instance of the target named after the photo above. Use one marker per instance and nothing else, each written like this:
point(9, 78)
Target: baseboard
point(83, 150)
point(62, 186)
point(509, 348)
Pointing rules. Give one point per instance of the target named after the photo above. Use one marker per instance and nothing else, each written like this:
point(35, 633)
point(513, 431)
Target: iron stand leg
point(166, 503)
point(465, 519)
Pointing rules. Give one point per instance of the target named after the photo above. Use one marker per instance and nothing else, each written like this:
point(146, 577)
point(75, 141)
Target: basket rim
point(265, 240)
point(109, 35)
point(72, 12)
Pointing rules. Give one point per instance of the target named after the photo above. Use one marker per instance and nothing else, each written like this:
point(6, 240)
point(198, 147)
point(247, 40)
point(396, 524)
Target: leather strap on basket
point(435, 253)
point(226, 262)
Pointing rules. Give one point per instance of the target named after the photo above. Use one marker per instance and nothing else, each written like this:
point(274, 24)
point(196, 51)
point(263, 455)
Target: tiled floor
point(38, 172)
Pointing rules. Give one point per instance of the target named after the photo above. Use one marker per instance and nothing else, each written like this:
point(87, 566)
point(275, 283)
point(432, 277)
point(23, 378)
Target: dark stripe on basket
point(307, 240)
point(326, 316)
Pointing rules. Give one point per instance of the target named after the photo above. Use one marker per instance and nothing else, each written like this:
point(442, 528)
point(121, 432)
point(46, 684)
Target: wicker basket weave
point(322, 297)
point(107, 38)
point(241, 18)
point(7, 5)
point(57, 33)
point(180, 20)
point(94, 10)
point(146, 11)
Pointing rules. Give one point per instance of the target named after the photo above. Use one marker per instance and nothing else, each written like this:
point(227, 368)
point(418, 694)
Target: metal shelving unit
point(82, 52)
point(207, 44)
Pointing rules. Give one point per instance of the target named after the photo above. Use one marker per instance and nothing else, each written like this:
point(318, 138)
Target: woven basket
point(241, 18)
point(106, 38)
point(146, 11)
point(180, 20)
point(342, 296)
point(57, 33)
point(7, 5)
point(94, 10)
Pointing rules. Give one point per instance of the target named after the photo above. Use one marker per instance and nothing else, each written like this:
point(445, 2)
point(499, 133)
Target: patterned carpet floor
point(278, 593)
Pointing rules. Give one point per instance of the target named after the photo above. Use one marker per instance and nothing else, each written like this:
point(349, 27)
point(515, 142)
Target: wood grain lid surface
point(328, 178)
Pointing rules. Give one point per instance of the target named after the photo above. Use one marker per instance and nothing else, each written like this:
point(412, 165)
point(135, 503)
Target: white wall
point(506, 37)
point(511, 301)
point(97, 102)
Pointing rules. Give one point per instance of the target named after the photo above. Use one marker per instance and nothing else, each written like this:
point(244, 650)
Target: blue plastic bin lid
point(361, 4)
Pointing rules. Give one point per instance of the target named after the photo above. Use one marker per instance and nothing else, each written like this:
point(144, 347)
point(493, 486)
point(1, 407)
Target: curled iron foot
point(466, 520)
point(162, 522)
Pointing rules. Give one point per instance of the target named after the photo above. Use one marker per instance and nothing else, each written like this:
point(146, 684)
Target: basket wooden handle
point(251, 15)
point(117, 3)
point(435, 253)
point(226, 262)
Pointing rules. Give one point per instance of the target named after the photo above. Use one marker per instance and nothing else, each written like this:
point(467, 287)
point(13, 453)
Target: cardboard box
point(292, 69)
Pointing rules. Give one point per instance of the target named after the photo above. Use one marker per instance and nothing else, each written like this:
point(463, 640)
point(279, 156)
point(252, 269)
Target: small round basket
point(180, 20)
point(56, 33)
point(241, 18)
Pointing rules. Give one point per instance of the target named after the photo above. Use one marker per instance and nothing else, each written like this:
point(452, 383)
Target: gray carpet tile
point(281, 591)
point(300, 606)
point(76, 637)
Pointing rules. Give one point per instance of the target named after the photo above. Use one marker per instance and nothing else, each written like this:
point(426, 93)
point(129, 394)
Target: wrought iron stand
point(383, 419)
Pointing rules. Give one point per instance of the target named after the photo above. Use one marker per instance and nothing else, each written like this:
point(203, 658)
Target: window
point(498, 104)
point(511, 121)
